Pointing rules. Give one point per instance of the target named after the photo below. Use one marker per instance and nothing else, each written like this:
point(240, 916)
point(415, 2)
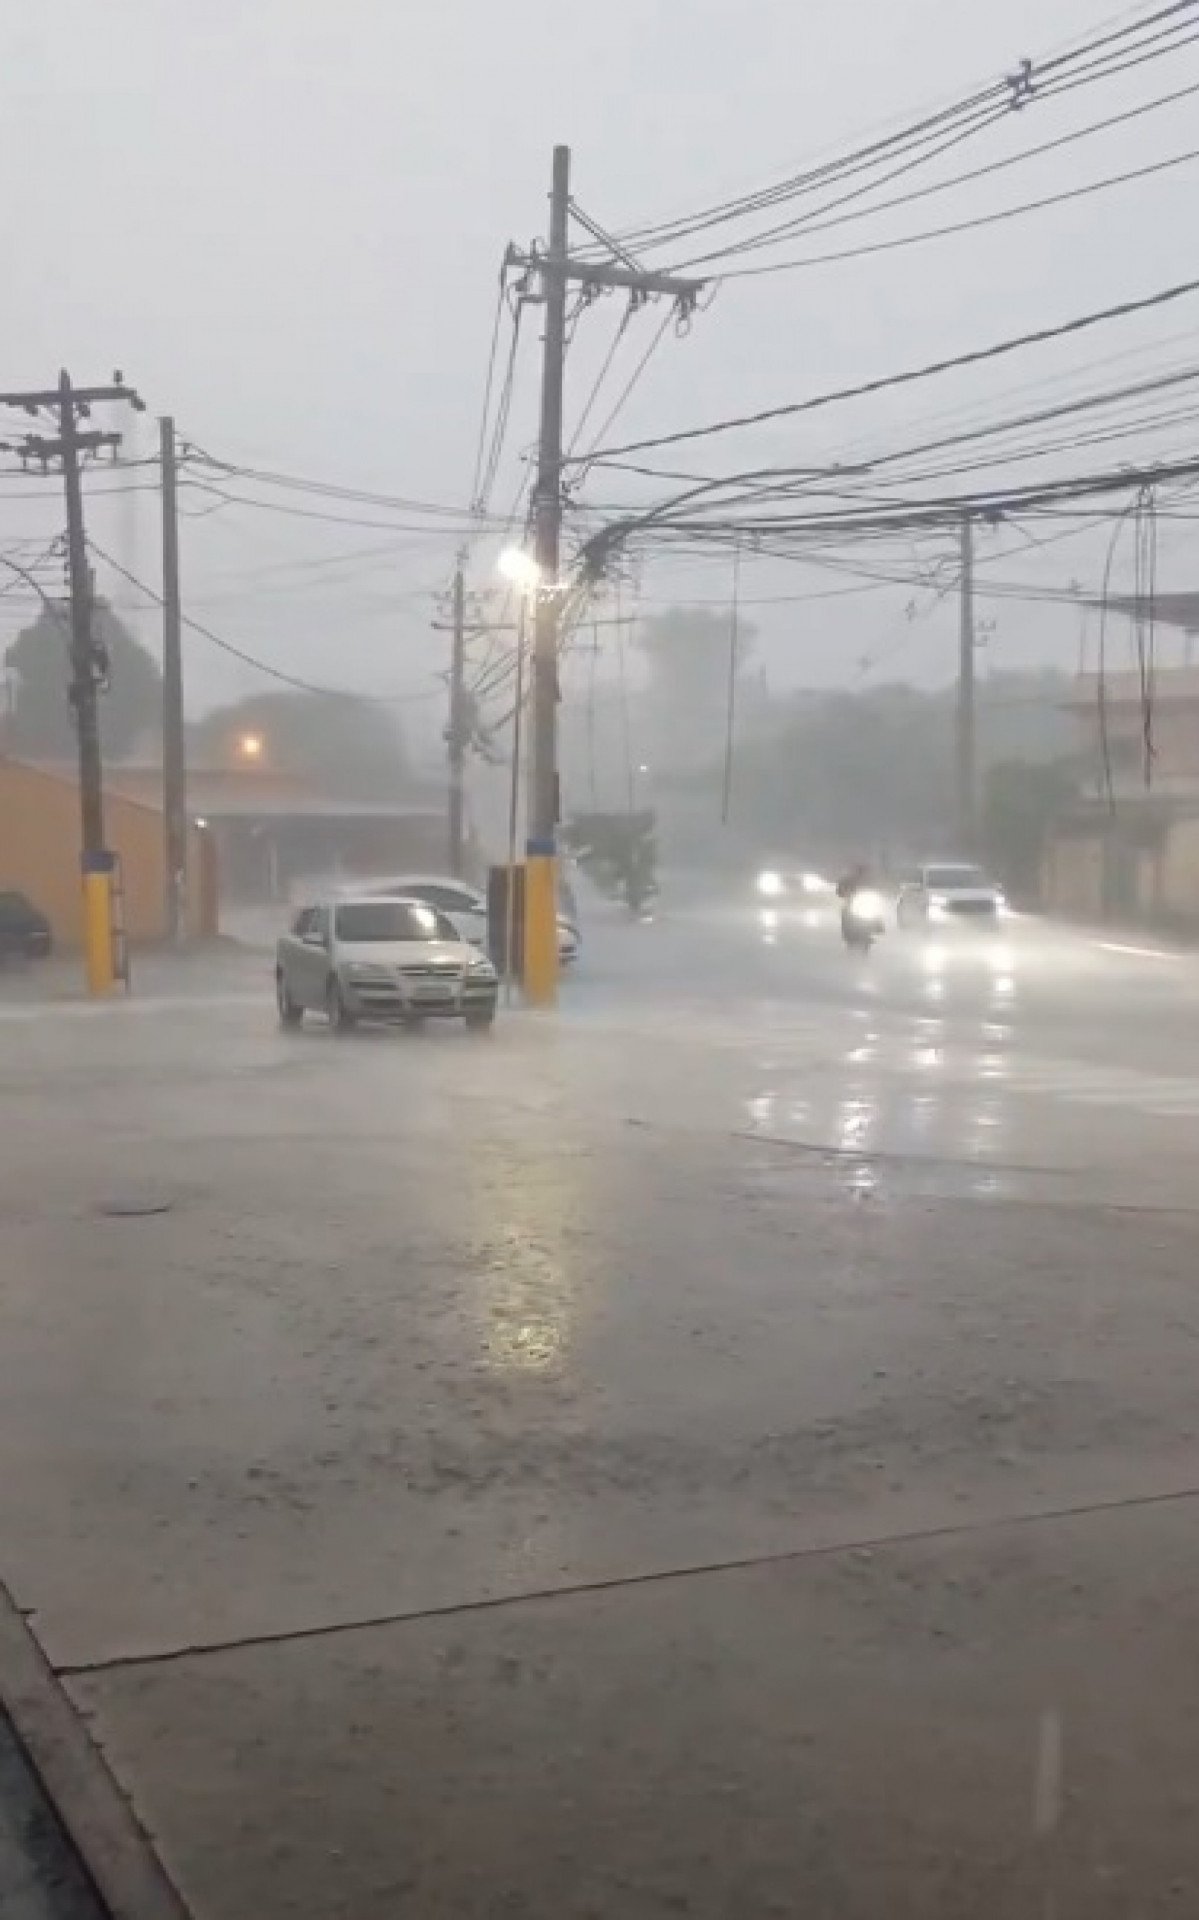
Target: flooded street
point(694, 1444)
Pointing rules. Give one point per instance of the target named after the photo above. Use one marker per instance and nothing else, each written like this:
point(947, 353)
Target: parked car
point(466, 906)
point(24, 929)
point(381, 958)
point(948, 891)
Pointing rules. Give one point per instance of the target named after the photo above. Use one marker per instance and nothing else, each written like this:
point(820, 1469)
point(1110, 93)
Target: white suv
point(393, 959)
point(949, 891)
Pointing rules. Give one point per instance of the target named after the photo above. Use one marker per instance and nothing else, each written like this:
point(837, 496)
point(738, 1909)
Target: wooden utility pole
point(88, 664)
point(174, 754)
point(456, 731)
point(556, 271)
point(966, 756)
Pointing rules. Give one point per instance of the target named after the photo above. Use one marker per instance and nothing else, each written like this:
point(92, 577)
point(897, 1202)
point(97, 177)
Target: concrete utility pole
point(556, 270)
point(88, 665)
point(541, 886)
point(174, 759)
point(966, 772)
point(456, 730)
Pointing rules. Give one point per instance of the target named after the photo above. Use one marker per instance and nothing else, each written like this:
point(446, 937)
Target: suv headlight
point(365, 970)
point(481, 968)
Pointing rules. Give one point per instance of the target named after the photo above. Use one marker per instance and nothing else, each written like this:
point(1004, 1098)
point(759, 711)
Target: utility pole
point(174, 758)
point(966, 771)
point(556, 271)
point(456, 731)
point(88, 663)
point(541, 885)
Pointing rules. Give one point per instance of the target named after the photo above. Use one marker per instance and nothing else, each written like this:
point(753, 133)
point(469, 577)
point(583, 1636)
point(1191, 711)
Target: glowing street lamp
point(250, 746)
point(520, 568)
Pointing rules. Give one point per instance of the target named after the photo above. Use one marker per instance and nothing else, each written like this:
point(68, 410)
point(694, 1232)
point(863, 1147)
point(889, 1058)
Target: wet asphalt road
point(797, 1351)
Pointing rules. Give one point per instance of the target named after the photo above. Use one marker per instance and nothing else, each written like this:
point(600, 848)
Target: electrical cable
point(491, 360)
point(931, 369)
point(585, 415)
point(1000, 96)
point(193, 456)
point(250, 660)
point(502, 415)
point(972, 225)
point(812, 223)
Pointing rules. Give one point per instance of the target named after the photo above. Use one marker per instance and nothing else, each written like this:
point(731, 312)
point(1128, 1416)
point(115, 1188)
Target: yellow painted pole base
point(541, 930)
point(97, 932)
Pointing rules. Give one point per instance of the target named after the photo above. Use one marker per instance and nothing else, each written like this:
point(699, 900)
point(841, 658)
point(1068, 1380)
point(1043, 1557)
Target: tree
point(349, 749)
point(1020, 802)
point(41, 722)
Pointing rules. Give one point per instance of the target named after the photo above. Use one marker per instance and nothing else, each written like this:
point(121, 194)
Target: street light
point(520, 568)
point(249, 746)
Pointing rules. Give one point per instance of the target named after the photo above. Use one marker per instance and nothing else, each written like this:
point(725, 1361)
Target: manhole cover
point(133, 1209)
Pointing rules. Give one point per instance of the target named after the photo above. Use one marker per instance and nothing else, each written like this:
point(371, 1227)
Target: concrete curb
point(117, 1855)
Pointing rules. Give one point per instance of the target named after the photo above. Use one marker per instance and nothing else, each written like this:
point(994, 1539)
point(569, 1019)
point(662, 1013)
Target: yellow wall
point(1180, 870)
point(39, 855)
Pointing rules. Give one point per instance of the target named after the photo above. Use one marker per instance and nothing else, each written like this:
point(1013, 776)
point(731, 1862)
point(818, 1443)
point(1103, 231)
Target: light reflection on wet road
point(1037, 1045)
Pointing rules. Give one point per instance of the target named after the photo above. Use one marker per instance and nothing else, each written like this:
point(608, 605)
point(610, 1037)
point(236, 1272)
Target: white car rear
point(466, 906)
point(950, 893)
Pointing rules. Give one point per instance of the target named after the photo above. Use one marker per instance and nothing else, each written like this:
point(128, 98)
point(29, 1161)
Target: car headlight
point(937, 909)
point(481, 969)
point(868, 905)
point(364, 970)
point(770, 884)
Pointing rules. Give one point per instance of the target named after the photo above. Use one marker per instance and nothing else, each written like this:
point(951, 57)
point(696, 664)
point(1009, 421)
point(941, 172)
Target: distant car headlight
point(868, 905)
point(937, 908)
point(481, 969)
point(814, 883)
point(770, 884)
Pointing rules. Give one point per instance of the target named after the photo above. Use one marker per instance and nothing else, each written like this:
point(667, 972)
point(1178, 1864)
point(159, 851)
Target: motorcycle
point(863, 918)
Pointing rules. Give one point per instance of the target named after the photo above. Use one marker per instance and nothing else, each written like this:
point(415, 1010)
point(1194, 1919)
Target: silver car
point(466, 906)
point(394, 959)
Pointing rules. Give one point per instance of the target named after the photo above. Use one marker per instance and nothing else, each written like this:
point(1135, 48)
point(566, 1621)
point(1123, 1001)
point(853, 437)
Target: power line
point(195, 455)
point(502, 414)
point(976, 222)
point(991, 101)
point(449, 533)
point(250, 660)
point(491, 360)
point(931, 369)
point(627, 390)
point(600, 377)
point(812, 223)
point(770, 236)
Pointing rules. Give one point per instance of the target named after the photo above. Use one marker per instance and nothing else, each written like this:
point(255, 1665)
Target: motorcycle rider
point(854, 881)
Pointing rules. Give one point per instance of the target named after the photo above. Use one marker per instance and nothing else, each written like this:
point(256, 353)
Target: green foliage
point(614, 848)
point(42, 721)
point(1020, 800)
point(349, 749)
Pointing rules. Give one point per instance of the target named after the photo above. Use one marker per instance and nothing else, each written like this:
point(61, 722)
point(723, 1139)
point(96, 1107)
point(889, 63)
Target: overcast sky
point(283, 220)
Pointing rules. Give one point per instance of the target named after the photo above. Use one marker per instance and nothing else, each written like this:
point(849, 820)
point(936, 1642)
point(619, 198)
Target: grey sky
point(284, 219)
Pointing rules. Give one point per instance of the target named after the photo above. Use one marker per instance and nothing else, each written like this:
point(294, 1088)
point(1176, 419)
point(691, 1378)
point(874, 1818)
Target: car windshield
point(392, 920)
point(950, 877)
